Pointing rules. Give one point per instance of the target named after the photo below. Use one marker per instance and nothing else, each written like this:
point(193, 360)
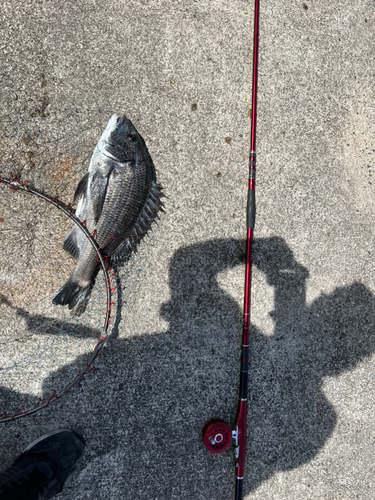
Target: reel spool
point(217, 436)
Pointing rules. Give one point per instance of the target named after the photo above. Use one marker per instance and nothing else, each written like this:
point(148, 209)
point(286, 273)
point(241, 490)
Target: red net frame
point(16, 184)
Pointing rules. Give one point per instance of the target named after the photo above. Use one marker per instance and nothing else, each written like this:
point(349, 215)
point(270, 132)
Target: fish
point(118, 199)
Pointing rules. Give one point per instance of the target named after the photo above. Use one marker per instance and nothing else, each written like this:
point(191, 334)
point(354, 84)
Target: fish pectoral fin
point(70, 244)
point(98, 191)
point(81, 188)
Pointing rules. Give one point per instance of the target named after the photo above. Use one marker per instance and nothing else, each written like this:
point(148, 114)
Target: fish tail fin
point(73, 295)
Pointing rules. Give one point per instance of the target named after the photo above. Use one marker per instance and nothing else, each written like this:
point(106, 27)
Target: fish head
point(122, 141)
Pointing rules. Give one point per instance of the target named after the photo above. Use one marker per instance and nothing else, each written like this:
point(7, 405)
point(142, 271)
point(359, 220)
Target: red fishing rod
point(217, 435)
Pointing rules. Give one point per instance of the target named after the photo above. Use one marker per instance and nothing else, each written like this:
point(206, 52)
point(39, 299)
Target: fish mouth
point(122, 125)
point(118, 141)
point(120, 119)
point(116, 122)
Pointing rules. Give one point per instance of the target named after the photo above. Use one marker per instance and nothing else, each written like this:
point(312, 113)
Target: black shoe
point(43, 468)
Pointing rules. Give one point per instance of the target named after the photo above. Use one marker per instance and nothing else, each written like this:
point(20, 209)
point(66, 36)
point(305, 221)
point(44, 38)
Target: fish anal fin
point(123, 252)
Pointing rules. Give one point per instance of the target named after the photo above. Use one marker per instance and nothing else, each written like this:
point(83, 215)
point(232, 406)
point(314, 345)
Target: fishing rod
point(217, 435)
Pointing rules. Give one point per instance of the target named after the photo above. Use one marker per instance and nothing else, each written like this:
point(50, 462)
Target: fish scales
point(119, 199)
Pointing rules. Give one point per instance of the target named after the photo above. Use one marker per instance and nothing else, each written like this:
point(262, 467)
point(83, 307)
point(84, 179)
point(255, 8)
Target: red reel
point(217, 436)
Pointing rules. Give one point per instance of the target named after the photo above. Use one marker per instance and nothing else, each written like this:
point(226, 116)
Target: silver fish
point(119, 199)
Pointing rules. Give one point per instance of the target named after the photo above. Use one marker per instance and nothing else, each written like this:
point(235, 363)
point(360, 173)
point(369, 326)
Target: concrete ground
point(182, 72)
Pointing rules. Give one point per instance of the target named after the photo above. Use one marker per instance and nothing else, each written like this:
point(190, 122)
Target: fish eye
point(132, 137)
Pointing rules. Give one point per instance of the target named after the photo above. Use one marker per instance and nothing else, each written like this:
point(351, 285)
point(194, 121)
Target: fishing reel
point(217, 436)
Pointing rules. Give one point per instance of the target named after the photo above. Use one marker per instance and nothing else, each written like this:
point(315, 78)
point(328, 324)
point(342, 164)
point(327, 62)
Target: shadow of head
point(343, 326)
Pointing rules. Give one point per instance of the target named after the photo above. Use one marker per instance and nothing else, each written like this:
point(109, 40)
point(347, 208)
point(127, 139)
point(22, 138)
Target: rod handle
point(239, 488)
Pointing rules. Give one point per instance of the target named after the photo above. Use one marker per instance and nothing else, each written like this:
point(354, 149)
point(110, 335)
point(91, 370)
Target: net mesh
point(44, 348)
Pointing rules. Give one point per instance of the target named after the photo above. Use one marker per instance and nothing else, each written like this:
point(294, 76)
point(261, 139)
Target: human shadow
point(289, 416)
point(143, 409)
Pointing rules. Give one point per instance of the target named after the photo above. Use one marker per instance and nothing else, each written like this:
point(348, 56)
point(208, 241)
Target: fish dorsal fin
point(70, 243)
point(81, 188)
